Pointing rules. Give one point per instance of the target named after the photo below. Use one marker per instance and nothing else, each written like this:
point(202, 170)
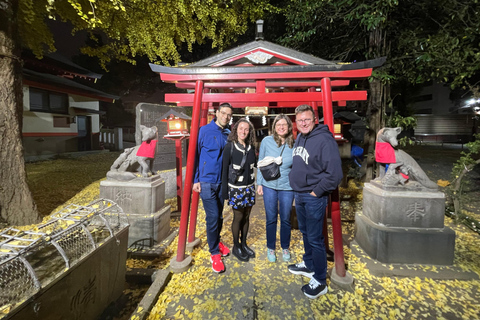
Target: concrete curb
point(422, 271)
point(162, 277)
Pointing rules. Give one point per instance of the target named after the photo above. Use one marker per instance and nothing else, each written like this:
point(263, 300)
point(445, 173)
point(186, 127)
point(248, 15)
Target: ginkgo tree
point(132, 28)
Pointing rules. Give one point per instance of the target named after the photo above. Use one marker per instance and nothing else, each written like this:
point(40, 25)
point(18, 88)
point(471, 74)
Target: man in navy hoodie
point(316, 172)
point(212, 139)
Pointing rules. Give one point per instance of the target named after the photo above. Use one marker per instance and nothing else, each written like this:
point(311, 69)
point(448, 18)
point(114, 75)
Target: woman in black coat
point(238, 183)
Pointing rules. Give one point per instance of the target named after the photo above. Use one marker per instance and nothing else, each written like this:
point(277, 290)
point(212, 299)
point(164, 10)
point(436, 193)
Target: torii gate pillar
point(180, 262)
point(339, 275)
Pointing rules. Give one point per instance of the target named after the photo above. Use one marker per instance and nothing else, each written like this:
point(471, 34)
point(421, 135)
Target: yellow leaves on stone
point(5, 309)
point(443, 183)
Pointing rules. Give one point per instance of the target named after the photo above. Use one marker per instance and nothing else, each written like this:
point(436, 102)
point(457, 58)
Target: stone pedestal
point(404, 225)
point(151, 227)
point(140, 195)
point(143, 200)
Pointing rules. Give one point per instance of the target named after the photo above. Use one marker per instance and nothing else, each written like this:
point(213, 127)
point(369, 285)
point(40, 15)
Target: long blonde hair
point(289, 136)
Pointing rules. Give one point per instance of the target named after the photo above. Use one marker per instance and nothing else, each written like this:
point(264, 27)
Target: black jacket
point(246, 175)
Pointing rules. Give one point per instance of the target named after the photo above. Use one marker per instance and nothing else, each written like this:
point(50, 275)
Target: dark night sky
point(65, 43)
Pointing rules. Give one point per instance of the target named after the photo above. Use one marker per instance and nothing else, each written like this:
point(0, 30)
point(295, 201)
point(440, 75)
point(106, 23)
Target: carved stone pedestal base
point(399, 225)
point(143, 200)
point(148, 230)
point(141, 195)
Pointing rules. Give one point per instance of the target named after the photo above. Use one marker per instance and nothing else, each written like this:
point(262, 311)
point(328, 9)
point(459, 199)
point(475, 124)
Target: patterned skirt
point(241, 197)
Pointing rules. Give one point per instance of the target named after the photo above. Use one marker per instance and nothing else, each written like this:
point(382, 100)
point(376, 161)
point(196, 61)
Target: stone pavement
point(259, 289)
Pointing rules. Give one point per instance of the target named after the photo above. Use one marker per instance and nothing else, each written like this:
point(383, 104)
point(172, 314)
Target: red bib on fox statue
point(147, 149)
point(384, 153)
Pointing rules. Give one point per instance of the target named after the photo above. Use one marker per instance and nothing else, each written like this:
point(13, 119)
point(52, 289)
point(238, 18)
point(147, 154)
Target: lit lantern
point(177, 130)
point(337, 130)
point(177, 124)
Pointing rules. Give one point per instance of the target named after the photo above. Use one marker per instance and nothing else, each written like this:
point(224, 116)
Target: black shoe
point(239, 254)
point(301, 269)
point(248, 251)
point(314, 289)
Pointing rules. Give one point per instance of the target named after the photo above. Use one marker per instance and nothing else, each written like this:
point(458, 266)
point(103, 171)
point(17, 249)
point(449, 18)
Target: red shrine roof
point(262, 73)
point(265, 57)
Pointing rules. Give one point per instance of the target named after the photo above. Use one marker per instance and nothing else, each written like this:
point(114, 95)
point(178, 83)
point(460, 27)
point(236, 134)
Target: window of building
point(48, 101)
point(425, 97)
point(61, 122)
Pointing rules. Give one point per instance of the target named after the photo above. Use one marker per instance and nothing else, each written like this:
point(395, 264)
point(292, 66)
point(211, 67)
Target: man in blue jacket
point(316, 172)
point(212, 138)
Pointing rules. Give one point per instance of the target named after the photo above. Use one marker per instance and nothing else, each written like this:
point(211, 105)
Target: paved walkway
point(259, 289)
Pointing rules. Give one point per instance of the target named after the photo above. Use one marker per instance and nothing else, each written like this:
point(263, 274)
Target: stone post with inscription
point(149, 115)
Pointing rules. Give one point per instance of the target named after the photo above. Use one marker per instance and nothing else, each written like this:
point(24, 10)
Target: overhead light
point(259, 30)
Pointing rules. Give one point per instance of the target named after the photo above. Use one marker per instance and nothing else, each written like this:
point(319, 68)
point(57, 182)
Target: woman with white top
point(277, 194)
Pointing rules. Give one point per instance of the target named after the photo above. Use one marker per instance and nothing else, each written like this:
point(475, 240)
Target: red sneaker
point(217, 264)
point(224, 251)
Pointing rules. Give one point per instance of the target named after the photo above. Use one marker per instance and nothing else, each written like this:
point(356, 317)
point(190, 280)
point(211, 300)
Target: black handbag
point(271, 171)
point(232, 172)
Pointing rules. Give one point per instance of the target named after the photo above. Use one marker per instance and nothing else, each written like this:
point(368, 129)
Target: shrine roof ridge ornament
point(192, 70)
point(175, 113)
point(261, 44)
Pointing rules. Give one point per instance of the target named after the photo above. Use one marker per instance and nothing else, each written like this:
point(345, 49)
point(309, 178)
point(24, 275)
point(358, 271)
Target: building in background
point(61, 113)
point(441, 119)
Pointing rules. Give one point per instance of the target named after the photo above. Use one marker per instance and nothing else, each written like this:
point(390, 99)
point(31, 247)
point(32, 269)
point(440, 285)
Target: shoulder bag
point(270, 167)
point(232, 172)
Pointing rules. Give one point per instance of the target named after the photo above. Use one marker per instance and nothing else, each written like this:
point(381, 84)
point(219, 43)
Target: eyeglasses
point(306, 121)
point(228, 115)
point(278, 125)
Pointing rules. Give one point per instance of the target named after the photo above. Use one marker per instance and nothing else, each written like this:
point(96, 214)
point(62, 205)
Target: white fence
point(111, 139)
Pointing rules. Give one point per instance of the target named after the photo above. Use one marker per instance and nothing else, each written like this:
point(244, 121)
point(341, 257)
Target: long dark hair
point(250, 140)
point(289, 137)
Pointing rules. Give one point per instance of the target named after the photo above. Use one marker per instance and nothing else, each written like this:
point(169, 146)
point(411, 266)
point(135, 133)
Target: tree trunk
point(16, 203)
point(374, 116)
point(375, 108)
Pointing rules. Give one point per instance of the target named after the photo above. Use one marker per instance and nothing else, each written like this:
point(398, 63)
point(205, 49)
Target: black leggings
point(241, 222)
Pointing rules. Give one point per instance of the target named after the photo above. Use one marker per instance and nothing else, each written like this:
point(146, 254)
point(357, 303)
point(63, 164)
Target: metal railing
point(30, 260)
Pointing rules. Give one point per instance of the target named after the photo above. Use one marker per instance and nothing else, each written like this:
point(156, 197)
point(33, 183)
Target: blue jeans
point(310, 216)
point(212, 199)
point(278, 201)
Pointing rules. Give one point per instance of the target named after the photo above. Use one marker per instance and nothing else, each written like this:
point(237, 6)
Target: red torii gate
point(280, 78)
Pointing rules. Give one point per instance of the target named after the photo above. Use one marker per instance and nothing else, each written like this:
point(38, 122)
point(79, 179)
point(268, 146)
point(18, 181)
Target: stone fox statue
point(131, 158)
point(401, 166)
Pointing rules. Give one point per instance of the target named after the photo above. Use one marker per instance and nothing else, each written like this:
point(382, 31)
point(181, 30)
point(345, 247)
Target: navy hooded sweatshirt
point(316, 164)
